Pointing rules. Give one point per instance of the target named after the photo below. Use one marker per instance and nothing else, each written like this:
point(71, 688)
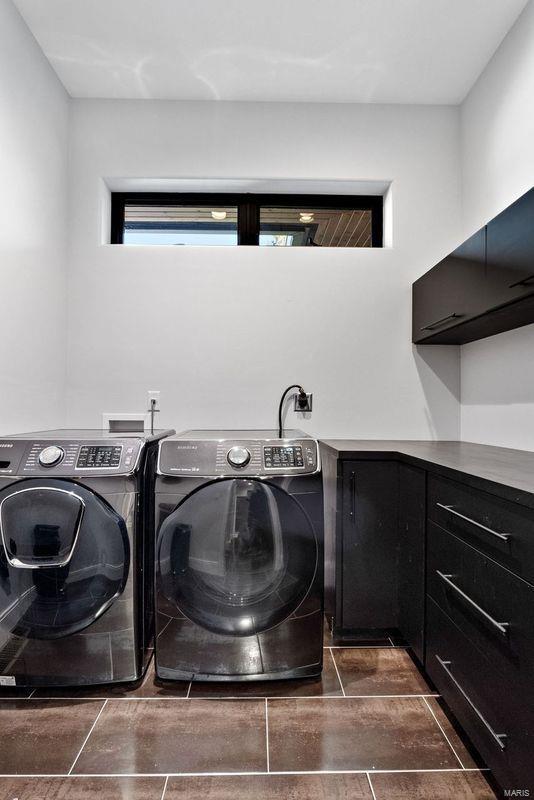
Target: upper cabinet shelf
point(485, 286)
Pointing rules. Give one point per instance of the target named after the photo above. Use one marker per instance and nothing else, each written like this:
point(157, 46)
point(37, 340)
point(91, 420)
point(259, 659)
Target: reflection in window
point(306, 227)
point(180, 225)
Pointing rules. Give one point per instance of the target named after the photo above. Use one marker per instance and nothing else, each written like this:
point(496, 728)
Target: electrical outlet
point(153, 394)
point(303, 408)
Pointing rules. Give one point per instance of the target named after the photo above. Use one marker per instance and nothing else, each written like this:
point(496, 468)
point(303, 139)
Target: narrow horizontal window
point(233, 219)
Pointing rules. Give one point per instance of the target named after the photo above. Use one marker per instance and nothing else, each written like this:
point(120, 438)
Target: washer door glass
point(64, 558)
point(237, 556)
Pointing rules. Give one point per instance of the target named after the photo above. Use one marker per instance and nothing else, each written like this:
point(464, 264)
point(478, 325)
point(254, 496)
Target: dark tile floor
point(369, 729)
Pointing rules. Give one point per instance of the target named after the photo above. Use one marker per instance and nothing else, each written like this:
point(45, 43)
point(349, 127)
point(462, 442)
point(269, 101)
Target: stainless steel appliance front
point(239, 575)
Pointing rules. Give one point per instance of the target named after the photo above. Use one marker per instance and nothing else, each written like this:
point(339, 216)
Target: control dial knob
point(238, 456)
point(51, 456)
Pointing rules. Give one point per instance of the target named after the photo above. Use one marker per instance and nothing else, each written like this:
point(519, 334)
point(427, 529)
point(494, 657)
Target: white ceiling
point(378, 51)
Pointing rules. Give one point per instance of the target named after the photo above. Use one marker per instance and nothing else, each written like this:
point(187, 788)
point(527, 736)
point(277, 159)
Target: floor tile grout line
point(337, 673)
point(164, 788)
point(438, 723)
point(104, 704)
point(267, 734)
point(135, 698)
point(369, 781)
point(38, 775)
point(365, 647)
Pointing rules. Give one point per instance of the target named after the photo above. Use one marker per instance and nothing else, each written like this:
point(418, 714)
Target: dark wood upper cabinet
point(510, 253)
point(451, 292)
point(484, 287)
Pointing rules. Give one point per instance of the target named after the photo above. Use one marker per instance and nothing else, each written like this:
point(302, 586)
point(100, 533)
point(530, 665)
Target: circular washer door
point(237, 556)
point(64, 558)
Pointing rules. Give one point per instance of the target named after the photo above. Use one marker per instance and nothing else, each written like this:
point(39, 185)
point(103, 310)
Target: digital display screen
point(280, 456)
point(97, 456)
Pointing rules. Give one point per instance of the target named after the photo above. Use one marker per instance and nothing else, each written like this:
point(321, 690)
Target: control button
point(238, 456)
point(51, 456)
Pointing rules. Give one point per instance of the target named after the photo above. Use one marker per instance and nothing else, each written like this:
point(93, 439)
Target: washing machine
point(76, 556)
point(239, 556)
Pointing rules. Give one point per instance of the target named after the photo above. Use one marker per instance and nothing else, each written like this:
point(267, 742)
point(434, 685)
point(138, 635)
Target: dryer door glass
point(237, 556)
point(64, 558)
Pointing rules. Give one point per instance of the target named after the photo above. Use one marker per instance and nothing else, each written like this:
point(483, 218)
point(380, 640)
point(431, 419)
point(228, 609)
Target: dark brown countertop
point(510, 472)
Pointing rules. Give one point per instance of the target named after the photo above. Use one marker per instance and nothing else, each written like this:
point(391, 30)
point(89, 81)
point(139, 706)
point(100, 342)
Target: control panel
point(69, 458)
point(225, 457)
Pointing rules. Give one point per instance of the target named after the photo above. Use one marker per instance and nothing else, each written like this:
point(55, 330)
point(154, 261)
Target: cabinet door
point(452, 292)
point(369, 546)
point(412, 485)
point(510, 253)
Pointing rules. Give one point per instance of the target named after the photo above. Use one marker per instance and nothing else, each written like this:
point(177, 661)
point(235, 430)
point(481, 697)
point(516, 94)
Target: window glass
point(315, 227)
point(266, 220)
point(180, 225)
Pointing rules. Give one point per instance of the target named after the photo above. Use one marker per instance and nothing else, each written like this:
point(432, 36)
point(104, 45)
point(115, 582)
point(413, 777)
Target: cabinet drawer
point(492, 607)
point(498, 719)
point(502, 530)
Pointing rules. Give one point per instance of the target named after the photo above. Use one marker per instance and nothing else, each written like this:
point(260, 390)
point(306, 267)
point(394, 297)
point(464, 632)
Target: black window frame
point(248, 208)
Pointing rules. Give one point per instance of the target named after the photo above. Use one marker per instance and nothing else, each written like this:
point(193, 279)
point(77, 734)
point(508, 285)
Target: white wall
point(33, 203)
point(221, 331)
point(497, 119)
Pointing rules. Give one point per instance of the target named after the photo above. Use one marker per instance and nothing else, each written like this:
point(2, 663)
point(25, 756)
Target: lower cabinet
point(480, 635)
point(411, 591)
point(367, 563)
point(451, 567)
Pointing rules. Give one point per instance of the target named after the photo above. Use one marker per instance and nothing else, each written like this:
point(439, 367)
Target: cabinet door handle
point(503, 536)
point(432, 325)
point(522, 282)
point(500, 738)
point(352, 495)
point(502, 627)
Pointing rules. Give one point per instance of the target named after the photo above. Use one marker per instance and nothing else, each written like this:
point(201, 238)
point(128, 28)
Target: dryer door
point(64, 558)
point(237, 556)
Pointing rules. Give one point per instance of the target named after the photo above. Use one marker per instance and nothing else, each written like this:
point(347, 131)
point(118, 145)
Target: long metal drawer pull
point(502, 627)
point(432, 325)
point(499, 737)
point(522, 282)
point(503, 536)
